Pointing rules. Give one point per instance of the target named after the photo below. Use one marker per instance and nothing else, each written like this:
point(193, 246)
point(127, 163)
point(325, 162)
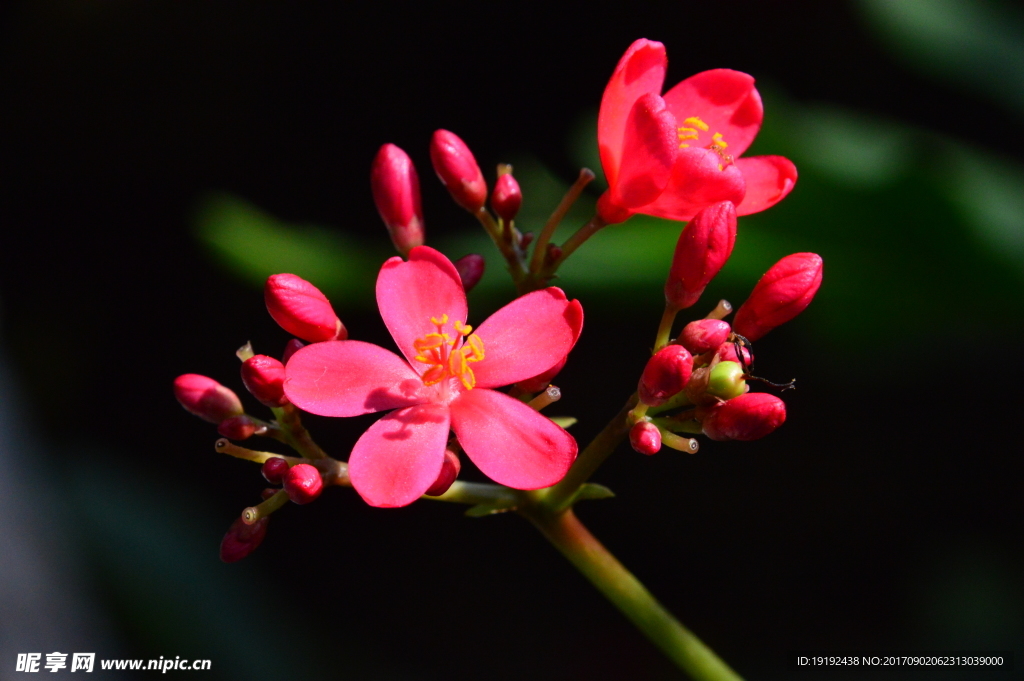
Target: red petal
point(410, 293)
point(400, 456)
point(697, 182)
point(527, 337)
point(724, 99)
point(348, 378)
point(650, 146)
point(768, 178)
point(641, 70)
point(510, 442)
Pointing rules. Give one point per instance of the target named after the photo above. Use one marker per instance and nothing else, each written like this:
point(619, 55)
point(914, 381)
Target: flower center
point(692, 129)
point(446, 356)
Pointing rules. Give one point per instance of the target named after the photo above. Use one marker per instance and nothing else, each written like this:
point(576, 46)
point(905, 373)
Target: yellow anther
point(691, 136)
point(693, 130)
point(442, 322)
point(697, 123)
point(683, 146)
point(473, 349)
point(717, 139)
point(431, 341)
point(463, 329)
point(434, 374)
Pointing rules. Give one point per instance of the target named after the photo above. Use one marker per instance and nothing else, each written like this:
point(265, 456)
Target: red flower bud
point(747, 417)
point(471, 270)
point(206, 398)
point(238, 427)
point(449, 471)
point(645, 437)
point(242, 539)
point(726, 381)
point(727, 353)
point(264, 377)
point(293, 346)
point(458, 171)
point(303, 483)
point(665, 375)
point(506, 197)
point(396, 191)
point(274, 470)
point(701, 251)
point(781, 294)
point(301, 309)
point(703, 335)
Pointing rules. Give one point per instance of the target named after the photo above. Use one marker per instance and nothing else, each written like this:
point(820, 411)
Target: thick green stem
point(665, 327)
point(578, 239)
point(477, 493)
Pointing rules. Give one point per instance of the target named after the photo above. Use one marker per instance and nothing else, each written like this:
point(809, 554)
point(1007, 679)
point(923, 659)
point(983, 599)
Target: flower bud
point(264, 377)
point(274, 470)
point(702, 249)
point(747, 417)
point(396, 191)
point(242, 539)
point(471, 270)
point(293, 346)
point(665, 375)
point(703, 335)
point(206, 398)
point(781, 294)
point(727, 353)
point(726, 381)
point(449, 471)
point(301, 309)
point(302, 483)
point(458, 171)
point(645, 437)
point(506, 198)
point(238, 427)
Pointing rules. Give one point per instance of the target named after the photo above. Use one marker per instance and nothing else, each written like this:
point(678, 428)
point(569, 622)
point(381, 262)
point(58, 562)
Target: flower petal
point(527, 337)
point(649, 146)
point(768, 178)
point(724, 99)
point(510, 442)
point(410, 293)
point(400, 456)
point(699, 179)
point(641, 70)
point(348, 378)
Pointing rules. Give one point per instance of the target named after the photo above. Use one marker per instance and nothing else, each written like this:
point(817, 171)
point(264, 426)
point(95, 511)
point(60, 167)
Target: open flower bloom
point(444, 383)
point(669, 156)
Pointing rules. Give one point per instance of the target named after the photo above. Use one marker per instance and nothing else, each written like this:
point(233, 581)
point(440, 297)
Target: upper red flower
point(443, 383)
point(671, 156)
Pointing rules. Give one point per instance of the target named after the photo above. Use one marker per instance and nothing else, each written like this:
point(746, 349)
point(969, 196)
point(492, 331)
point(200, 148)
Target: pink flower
point(671, 156)
point(444, 383)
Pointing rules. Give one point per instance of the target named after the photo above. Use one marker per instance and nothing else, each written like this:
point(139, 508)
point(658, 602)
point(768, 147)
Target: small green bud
point(726, 381)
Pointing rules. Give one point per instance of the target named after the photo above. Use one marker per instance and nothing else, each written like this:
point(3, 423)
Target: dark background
point(885, 515)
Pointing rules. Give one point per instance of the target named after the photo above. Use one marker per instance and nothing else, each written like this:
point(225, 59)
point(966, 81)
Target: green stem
point(541, 247)
point(576, 240)
point(477, 493)
point(665, 327)
point(503, 240)
point(632, 598)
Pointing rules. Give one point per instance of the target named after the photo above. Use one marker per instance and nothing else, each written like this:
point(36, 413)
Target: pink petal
point(641, 70)
point(697, 182)
point(400, 456)
point(510, 442)
point(768, 178)
point(527, 337)
point(724, 99)
point(410, 293)
point(348, 378)
point(649, 152)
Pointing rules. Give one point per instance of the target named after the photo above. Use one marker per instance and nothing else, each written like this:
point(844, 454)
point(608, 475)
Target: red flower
point(443, 383)
point(671, 156)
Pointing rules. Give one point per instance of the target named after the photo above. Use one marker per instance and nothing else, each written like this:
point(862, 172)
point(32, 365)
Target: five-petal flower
point(444, 383)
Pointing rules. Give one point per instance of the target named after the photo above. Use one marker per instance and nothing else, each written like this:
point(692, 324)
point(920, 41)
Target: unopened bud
point(302, 483)
point(506, 198)
point(242, 539)
point(726, 380)
point(747, 417)
point(396, 191)
point(274, 470)
point(458, 171)
point(449, 471)
point(703, 335)
point(554, 253)
point(665, 375)
point(783, 292)
point(238, 427)
point(645, 437)
point(206, 398)
point(701, 251)
point(727, 353)
point(264, 377)
point(293, 346)
point(301, 309)
point(471, 270)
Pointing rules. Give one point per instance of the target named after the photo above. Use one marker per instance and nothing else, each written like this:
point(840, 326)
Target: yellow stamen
point(717, 140)
point(697, 123)
point(447, 363)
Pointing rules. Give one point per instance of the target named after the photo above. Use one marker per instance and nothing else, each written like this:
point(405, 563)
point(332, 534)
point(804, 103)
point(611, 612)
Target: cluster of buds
point(699, 382)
